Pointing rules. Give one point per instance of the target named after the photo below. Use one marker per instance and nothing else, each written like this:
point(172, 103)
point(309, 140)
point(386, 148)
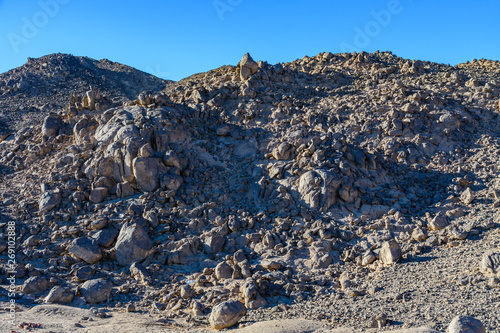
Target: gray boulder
point(247, 67)
point(86, 249)
point(227, 314)
point(390, 253)
point(59, 295)
point(51, 125)
point(48, 201)
point(147, 172)
point(96, 291)
point(133, 245)
point(35, 285)
point(463, 324)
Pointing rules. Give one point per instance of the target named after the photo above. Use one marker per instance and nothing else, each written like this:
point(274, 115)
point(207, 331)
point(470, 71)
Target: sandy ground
point(58, 318)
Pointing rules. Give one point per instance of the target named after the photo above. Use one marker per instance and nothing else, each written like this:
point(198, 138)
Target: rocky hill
point(312, 182)
point(47, 83)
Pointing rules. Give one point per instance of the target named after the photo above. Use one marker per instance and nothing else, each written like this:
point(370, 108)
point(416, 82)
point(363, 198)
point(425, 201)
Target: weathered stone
point(124, 190)
point(247, 67)
point(139, 273)
point(96, 291)
point(226, 314)
point(319, 189)
point(223, 271)
point(49, 200)
point(419, 234)
point(171, 182)
point(490, 263)
point(438, 222)
point(35, 285)
point(467, 196)
point(133, 245)
point(106, 237)
point(464, 324)
point(51, 125)
point(213, 244)
point(98, 195)
point(84, 273)
point(59, 295)
point(252, 297)
point(147, 172)
point(85, 249)
point(390, 253)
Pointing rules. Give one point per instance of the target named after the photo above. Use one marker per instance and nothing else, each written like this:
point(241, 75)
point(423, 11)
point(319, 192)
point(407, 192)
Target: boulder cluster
point(252, 185)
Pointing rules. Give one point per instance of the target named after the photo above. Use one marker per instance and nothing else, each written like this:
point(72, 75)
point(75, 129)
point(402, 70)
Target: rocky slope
point(276, 185)
point(47, 83)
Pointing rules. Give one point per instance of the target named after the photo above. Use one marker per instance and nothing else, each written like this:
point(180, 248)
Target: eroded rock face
point(319, 189)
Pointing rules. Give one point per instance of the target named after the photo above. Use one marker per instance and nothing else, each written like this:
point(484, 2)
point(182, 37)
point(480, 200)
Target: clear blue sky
point(174, 39)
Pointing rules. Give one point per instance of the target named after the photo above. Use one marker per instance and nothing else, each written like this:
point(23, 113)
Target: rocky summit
point(361, 190)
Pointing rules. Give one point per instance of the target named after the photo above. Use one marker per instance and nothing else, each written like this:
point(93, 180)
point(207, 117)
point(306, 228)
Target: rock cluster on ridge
point(270, 184)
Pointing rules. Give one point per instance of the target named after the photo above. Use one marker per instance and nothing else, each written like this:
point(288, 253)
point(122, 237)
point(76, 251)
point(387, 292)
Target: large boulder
point(390, 253)
point(247, 67)
point(227, 314)
point(52, 125)
point(463, 324)
point(35, 285)
point(59, 295)
point(133, 245)
point(86, 249)
point(96, 291)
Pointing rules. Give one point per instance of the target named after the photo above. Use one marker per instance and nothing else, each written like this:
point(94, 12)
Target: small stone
point(187, 291)
point(419, 234)
point(223, 271)
point(467, 196)
point(253, 299)
point(139, 273)
point(390, 253)
point(51, 125)
point(438, 222)
point(368, 258)
point(227, 314)
point(463, 324)
point(84, 273)
point(49, 200)
point(490, 263)
point(379, 321)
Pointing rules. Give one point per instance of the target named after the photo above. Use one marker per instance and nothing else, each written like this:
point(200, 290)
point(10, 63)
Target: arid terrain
point(354, 192)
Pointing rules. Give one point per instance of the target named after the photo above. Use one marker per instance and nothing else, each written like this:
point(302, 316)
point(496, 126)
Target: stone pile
point(262, 183)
